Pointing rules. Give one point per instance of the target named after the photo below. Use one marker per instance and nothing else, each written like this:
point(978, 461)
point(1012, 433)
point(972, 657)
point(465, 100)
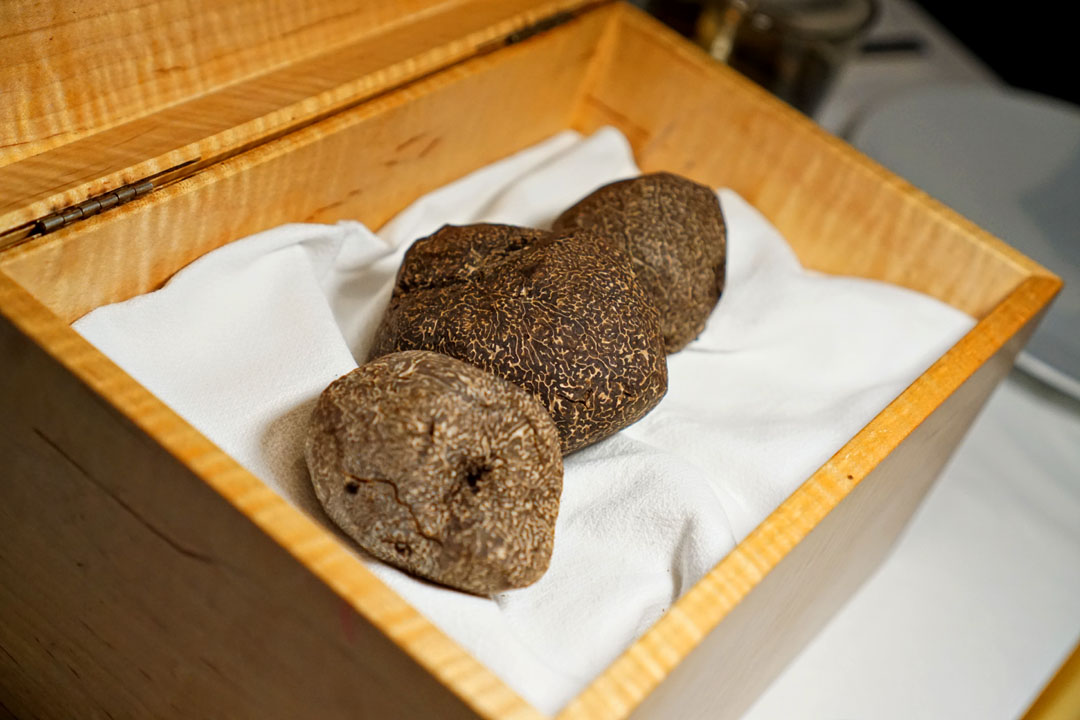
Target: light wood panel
point(1060, 699)
point(133, 585)
point(841, 212)
point(366, 163)
point(216, 120)
point(72, 69)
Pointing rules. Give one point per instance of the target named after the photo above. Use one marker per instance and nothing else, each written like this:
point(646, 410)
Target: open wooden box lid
point(110, 100)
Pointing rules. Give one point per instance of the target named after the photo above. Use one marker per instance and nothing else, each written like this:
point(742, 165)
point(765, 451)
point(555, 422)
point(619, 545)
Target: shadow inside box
point(282, 445)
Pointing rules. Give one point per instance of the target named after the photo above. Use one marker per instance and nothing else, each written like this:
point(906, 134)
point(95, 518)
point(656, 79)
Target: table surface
point(980, 601)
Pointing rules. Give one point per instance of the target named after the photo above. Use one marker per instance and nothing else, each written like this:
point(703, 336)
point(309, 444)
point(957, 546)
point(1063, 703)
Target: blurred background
point(979, 605)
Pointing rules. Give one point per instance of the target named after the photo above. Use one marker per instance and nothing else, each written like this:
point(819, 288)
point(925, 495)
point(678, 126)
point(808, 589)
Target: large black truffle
point(673, 230)
point(441, 469)
point(559, 314)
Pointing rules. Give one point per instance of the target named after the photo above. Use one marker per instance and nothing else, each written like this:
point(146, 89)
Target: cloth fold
point(792, 364)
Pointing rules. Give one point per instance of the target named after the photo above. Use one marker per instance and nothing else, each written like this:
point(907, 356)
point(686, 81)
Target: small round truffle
point(439, 468)
point(674, 232)
point(558, 314)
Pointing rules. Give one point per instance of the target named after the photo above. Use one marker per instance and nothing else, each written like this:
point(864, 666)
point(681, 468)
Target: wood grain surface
point(1060, 699)
point(73, 69)
point(214, 103)
point(195, 558)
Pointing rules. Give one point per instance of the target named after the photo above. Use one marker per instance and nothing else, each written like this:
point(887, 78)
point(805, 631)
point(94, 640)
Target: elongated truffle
point(559, 314)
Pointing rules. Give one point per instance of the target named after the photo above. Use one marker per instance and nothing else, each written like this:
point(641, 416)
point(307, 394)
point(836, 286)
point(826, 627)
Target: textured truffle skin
point(559, 314)
point(674, 232)
point(440, 469)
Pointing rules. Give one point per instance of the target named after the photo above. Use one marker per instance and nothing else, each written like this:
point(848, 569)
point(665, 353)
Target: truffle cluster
point(501, 349)
point(559, 314)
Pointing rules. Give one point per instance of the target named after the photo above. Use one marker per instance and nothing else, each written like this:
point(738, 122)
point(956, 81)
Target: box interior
point(610, 66)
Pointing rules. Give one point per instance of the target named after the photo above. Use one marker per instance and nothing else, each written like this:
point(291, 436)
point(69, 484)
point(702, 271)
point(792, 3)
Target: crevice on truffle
point(397, 499)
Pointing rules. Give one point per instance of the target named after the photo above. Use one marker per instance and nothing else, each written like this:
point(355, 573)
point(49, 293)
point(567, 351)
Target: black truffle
point(559, 314)
point(440, 469)
point(674, 232)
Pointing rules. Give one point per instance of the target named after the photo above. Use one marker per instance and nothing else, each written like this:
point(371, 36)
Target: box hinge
point(540, 26)
point(94, 205)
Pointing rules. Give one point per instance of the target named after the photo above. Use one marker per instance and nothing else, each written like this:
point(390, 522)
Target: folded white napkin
point(792, 364)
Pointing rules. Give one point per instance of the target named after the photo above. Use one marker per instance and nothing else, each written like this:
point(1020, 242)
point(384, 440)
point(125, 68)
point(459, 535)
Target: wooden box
point(144, 573)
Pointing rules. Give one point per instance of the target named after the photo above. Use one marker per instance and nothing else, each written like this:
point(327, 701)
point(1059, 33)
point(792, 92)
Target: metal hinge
point(95, 205)
point(540, 26)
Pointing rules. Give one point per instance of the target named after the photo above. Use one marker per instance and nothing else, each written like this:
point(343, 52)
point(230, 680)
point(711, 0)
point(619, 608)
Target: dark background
point(1029, 45)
